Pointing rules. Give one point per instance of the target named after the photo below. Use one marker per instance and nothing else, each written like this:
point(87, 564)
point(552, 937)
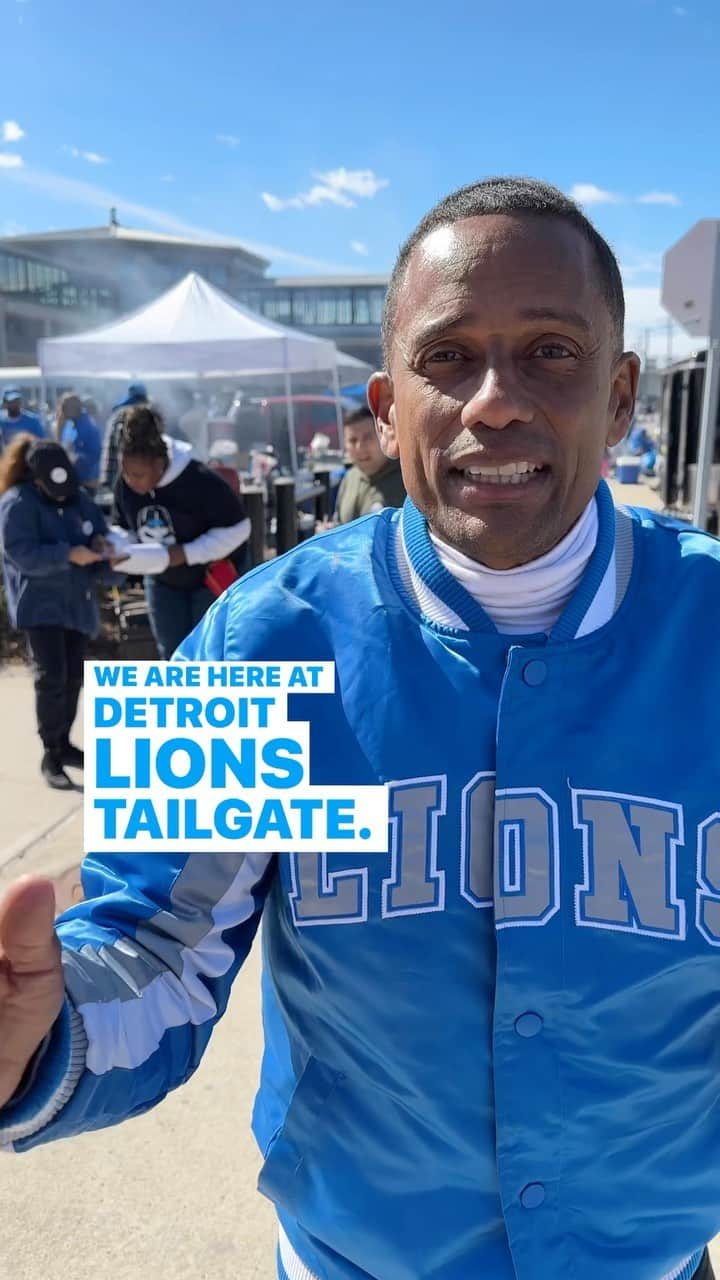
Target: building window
point(361, 306)
point(304, 306)
point(25, 275)
point(327, 307)
point(278, 306)
point(252, 299)
point(218, 275)
point(17, 279)
point(377, 304)
point(344, 306)
point(319, 307)
point(51, 286)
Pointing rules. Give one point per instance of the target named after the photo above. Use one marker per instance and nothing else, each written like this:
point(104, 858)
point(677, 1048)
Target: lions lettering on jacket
point(510, 862)
point(495, 1049)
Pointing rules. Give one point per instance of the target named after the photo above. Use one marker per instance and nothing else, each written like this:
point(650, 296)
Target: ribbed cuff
point(290, 1266)
point(55, 1077)
point(687, 1269)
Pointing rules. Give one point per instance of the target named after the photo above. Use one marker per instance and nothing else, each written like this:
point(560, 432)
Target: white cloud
point(360, 182)
point(92, 157)
point(316, 195)
point(11, 131)
point(679, 11)
point(275, 204)
point(10, 161)
point(588, 193)
point(168, 177)
point(335, 187)
point(358, 246)
point(659, 197)
point(228, 139)
point(78, 192)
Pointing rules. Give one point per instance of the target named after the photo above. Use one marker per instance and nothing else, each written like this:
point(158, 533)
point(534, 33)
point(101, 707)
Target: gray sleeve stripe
point(133, 991)
point(122, 970)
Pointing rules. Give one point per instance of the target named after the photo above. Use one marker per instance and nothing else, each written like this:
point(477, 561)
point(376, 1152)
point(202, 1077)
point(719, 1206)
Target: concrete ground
point(170, 1194)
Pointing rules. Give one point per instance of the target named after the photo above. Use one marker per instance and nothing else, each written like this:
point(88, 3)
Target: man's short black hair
point(357, 415)
point(507, 196)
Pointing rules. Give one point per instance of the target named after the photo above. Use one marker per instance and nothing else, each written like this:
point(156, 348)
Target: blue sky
point(320, 133)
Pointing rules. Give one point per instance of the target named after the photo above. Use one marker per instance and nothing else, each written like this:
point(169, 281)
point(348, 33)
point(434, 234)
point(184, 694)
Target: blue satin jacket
point(493, 1051)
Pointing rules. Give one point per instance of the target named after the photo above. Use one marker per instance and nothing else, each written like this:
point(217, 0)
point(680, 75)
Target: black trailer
point(680, 419)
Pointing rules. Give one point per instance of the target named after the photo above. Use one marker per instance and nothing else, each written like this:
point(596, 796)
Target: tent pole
point(338, 407)
point(206, 429)
point(291, 422)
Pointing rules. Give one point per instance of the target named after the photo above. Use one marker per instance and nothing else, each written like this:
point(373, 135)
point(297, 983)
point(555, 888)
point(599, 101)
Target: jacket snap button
point(534, 672)
point(528, 1025)
point(532, 1196)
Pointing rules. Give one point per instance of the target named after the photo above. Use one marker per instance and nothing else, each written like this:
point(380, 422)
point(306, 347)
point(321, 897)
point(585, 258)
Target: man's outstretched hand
point(31, 979)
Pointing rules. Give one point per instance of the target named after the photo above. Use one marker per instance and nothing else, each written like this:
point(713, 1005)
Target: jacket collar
point(600, 576)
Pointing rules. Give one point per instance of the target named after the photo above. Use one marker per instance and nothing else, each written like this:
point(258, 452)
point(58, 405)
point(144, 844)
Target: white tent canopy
point(193, 329)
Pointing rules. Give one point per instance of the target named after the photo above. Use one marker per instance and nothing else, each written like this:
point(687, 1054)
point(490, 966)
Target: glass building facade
point(81, 282)
point(26, 279)
point(319, 306)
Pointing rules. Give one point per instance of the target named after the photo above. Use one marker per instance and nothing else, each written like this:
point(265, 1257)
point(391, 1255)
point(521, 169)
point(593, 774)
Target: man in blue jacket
point(493, 1051)
point(15, 417)
point(80, 437)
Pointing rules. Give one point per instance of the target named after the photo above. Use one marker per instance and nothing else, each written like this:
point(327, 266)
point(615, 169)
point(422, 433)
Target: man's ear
point(381, 399)
point(622, 397)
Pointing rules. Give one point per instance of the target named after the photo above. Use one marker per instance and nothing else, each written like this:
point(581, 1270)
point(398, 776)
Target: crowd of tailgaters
point(81, 509)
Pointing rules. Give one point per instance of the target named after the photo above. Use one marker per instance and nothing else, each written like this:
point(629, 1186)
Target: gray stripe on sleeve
point(123, 969)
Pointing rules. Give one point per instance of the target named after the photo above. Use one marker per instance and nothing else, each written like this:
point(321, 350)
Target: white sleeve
point(216, 543)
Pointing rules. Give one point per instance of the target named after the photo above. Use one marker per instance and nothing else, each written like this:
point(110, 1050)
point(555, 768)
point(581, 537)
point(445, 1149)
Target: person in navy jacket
point(53, 545)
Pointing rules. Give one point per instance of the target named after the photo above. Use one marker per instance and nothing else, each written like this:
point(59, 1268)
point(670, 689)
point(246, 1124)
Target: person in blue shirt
point(80, 437)
point(15, 418)
point(641, 444)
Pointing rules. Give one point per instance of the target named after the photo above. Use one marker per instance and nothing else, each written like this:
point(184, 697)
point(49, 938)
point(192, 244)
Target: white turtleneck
point(532, 597)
